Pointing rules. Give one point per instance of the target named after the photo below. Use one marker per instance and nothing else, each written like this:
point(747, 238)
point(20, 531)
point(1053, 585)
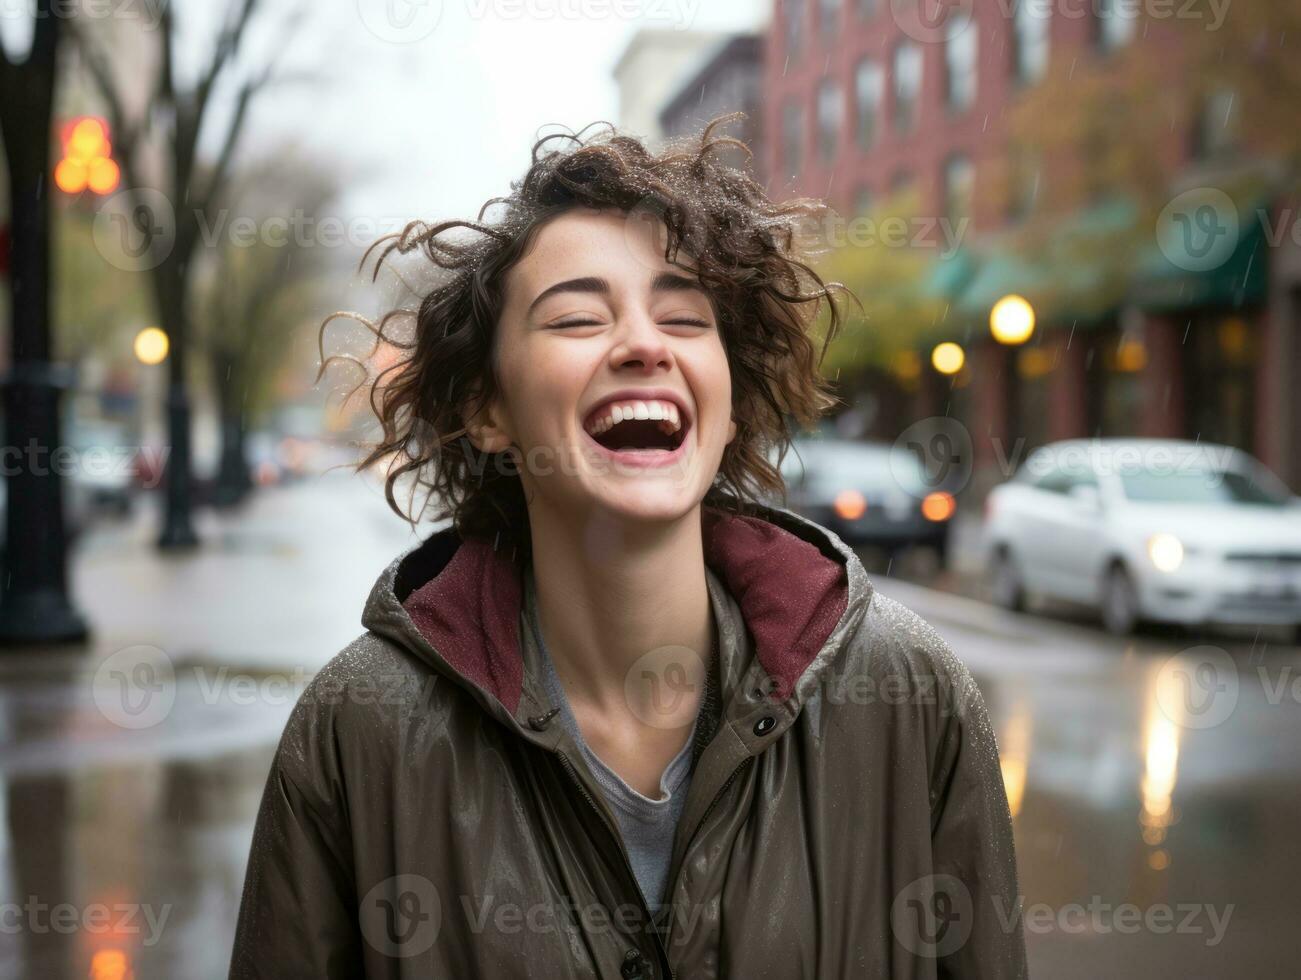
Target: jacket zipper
point(596, 808)
point(662, 944)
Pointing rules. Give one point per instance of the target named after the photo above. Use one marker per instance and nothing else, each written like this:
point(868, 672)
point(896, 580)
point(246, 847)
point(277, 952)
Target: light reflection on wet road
point(1171, 785)
point(1155, 786)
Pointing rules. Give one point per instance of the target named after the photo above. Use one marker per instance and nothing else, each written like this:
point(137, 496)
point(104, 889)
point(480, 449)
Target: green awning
point(1205, 255)
point(949, 275)
point(1076, 274)
point(1001, 273)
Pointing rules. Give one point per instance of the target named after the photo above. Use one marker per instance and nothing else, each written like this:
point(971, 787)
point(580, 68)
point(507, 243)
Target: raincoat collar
point(457, 605)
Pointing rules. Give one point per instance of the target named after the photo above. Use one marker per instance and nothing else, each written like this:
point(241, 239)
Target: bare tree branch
point(227, 47)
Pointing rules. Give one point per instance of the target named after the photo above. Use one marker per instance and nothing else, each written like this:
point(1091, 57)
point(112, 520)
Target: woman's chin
point(643, 500)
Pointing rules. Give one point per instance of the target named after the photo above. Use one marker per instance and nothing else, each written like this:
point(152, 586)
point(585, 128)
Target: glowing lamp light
point(102, 176)
point(151, 345)
point(110, 964)
point(938, 506)
point(849, 505)
point(87, 160)
point(1012, 320)
point(948, 357)
point(70, 176)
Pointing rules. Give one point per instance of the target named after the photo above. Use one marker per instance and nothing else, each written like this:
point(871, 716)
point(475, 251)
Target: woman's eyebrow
point(663, 282)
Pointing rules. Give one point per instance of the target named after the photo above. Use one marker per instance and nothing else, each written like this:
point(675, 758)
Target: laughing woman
point(622, 715)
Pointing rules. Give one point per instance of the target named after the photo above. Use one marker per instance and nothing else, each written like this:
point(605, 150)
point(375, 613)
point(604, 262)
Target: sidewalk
point(116, 804)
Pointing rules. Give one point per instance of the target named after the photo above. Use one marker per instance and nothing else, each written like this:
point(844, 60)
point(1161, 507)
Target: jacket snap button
point(764, 725)
point(539, 723)
point(631, 969)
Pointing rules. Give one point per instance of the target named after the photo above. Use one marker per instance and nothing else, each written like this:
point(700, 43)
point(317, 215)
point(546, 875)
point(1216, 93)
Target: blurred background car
point(101, 481)
point(869, 493)
point(1165, 530)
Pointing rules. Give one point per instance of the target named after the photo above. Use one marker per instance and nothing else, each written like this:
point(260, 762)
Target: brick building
point(862, 98)
point(728, 79)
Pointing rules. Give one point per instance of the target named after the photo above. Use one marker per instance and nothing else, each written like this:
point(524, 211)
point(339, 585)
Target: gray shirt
point(646, 825)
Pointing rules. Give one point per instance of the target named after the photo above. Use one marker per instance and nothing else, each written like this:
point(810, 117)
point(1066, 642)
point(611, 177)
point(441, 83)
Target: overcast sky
point(434, 109)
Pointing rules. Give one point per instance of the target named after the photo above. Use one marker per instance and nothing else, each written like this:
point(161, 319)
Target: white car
point(1148, 529)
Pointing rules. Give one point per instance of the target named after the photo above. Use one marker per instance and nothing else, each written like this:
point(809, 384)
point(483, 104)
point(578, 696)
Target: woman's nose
point(641, 340)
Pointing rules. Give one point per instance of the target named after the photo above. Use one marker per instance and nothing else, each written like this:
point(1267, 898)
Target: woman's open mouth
point(639, 433)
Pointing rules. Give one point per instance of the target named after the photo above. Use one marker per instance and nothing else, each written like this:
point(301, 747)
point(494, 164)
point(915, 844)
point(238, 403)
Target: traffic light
point(87, 162)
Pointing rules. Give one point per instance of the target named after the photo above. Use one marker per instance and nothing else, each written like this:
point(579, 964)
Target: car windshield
point(866, 468)
point(1206, 486)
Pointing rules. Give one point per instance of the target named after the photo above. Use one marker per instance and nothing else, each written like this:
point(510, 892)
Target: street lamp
point(151, 345)
point(948, 357)
point(1011, 321)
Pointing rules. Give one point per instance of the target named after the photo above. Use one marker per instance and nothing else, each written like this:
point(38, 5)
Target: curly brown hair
point(745, 251)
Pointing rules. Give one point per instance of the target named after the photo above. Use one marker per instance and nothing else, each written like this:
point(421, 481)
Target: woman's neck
point(609, 593)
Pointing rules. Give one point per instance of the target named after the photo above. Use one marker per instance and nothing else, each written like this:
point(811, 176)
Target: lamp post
point(1012, 322)
point(34, 603)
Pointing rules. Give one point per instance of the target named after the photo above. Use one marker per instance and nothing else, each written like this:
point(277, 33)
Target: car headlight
point(1166, 552)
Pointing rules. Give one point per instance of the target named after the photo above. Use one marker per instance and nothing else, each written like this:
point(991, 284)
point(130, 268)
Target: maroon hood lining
point(790, 594)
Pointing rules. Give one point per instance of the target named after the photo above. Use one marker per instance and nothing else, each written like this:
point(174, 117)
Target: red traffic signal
point(87, 162)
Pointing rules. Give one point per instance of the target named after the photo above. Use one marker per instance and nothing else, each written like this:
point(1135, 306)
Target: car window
point(1060, 479)
point(1205, 486)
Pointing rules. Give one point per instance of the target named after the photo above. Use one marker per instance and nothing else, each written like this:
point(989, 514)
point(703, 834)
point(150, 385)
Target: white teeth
point(665, 412)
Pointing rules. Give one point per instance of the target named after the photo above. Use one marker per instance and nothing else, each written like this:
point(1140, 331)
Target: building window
point(862, 200)
point(792, 138)
point(868, 8)
point(1030, 24)
point(901, 183)
point(959, 182)
point(907, 85)
point(831, 109)
point(869, 93)
point(1115, 24)
point(1023, 190)
point(829, 16)
point(794, 17)
point(1216, 126)
point(960, 62)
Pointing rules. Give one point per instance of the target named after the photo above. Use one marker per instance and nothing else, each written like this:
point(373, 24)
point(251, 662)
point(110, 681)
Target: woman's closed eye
point(676, 321)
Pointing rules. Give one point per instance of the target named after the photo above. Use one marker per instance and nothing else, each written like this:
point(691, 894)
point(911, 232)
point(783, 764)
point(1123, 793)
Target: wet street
point(1155, 784)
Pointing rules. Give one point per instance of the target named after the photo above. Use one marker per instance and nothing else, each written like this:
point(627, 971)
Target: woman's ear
point(484, 431)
